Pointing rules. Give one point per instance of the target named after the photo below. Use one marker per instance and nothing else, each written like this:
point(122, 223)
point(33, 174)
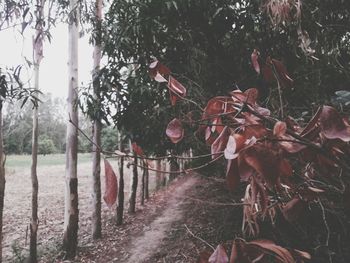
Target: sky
point(53, 68)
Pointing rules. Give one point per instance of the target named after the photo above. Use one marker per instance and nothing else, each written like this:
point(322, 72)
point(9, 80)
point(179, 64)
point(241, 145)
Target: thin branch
point(205, 242)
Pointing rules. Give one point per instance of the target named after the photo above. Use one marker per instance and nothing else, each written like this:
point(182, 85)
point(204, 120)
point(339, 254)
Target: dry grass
point(51, 176)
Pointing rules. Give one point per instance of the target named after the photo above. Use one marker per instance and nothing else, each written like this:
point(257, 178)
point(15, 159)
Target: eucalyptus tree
point(71, 215)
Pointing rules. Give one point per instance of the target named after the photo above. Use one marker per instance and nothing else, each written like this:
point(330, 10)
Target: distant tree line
point(52, 129)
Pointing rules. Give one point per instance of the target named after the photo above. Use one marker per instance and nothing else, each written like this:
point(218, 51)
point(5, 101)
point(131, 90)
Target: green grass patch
point(18, 161)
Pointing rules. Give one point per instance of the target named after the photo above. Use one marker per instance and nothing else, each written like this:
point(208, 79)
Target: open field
point(51, 177)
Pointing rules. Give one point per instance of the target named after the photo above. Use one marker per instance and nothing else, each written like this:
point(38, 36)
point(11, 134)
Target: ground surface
point(188, 216)
point(172, 227)
point(17, 207)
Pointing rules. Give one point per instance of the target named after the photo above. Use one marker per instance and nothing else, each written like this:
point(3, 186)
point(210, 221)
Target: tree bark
point(71, 215)
point(120, 206)
point(174, 167)
point(158, 174)
point(96, 137)
point(38, 55)
point(146, 184)
point(132, 200)
point(143, 186)
point(2, 178)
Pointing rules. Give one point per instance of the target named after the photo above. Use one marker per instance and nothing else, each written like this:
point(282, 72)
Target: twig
point(205, 242)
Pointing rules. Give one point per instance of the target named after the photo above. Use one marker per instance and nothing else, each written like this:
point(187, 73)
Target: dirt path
point(142, 234)
point(144, 246)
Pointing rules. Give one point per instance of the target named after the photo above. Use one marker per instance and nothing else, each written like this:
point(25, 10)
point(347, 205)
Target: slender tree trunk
point(132, 200)
point(143, 186)
point(158, 174)
point(120, 206)
point(96, 137)
point(146, 183)
point(2, 178)
point(71, 215)
point(38, 55)
point(174, 167)
point(163, 175)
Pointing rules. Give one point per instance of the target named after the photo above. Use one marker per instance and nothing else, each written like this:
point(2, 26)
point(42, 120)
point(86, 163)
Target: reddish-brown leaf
point(240, 253)
point(279, 129)
point(177, 87)
point(137, 149)
point(219, 255)
point(282, 73)
point(156, 68)
point(252, 95)
point(204, 257)
point(265, 161)
point(175, 131)
point(286, 168)
point(281, 254)
point(220, 143)
point(254, 58)
point(267, 73)
point(111, 191)
point(332, 125)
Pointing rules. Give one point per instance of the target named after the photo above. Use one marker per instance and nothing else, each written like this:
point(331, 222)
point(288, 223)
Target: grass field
point(20, 161)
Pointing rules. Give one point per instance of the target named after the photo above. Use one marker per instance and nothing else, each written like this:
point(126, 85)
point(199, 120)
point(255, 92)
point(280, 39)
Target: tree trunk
point(71, 215)
point(143, 186)
point(120, 206)
point(174, 167)
point(96, 137)
point(146, 183)
point(163, 175)
point(132, 200)
point(158, 174)
point(2, 178)
point(38, 55)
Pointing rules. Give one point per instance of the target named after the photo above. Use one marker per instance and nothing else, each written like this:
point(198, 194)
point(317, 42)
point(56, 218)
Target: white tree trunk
point(71, 215)
point(38, 55)
point(2, 178)
point(96, 137)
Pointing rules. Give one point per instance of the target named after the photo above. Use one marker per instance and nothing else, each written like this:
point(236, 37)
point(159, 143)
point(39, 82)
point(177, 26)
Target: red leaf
point(175, 131)
point(219, 255)
point(232, 174)
point(137, 149)
point(111, 181)
point(176, 90)
point(282, 254)
point(264, 160)
point(333, 126)
point(157, 71)
point(285, 168)
point(267, 74)
point(254, 58)
point(280, 128)
point(220, 143)
point(252, 95)
point(282, 73)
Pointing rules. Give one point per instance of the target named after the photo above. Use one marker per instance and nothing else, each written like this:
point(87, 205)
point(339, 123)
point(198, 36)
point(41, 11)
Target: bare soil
point(17, 209)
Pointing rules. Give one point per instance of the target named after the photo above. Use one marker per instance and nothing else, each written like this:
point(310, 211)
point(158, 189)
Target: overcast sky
point(53, 69)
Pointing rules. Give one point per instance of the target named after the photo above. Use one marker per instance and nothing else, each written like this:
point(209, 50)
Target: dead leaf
point(111, 192)
point(175, 131)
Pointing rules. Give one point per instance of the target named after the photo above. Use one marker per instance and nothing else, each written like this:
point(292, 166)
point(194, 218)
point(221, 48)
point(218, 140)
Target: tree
point(97, 126)
point(38, 55)
point(71, 215)
point(120, 205)
point(11, 89)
